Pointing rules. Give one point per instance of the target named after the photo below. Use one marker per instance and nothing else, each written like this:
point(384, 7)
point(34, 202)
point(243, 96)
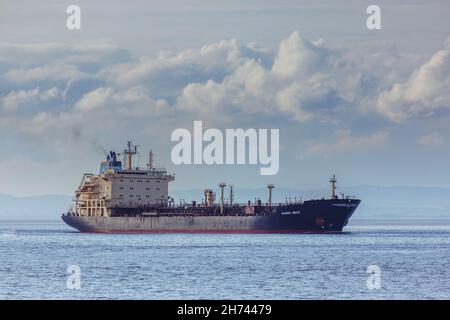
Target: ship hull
point(311, 216)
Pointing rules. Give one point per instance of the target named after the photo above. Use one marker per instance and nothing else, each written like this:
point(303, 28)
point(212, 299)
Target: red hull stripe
point(261, 231)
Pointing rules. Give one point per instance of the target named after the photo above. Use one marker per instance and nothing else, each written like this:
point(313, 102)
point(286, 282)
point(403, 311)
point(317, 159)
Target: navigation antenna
point(333, 187)
point(129, 153)
point(222, 185)
point(231, 195)
point(150, 161)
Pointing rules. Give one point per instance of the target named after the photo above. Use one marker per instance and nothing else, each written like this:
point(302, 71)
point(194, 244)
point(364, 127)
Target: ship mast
point(231, 195)
point(270, 187)
point(129, 153)
point(333, 187)
point(150, 160)
point(222, 185)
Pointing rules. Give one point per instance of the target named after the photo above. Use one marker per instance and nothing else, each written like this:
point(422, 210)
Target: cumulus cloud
point(305, 80)
point(134, 101)
point(425, 92)
point(301, 83)
point(168, 73)
point(53, 72)
point(94, 99)
point(299, 57)
point(15, 99)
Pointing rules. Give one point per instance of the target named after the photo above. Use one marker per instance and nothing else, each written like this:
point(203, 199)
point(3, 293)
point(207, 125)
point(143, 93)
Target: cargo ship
point(123, 198)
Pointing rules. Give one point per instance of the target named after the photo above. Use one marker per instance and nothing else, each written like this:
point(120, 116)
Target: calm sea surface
point(413, 256)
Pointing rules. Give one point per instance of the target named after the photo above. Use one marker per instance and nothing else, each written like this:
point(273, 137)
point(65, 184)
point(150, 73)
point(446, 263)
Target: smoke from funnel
point(78, 137)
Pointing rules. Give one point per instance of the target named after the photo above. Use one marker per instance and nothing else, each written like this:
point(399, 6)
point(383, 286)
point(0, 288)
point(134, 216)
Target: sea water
point(38, 259)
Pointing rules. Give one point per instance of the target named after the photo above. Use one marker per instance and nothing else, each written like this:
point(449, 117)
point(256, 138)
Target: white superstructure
point(115, 188)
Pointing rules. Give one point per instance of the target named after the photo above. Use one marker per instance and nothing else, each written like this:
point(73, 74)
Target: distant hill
point(402, 202)
point(48, 207)
point(377, 202)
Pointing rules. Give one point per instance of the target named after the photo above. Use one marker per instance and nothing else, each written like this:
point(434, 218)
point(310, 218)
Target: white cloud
point(211, 60)
point(53, 72)
point(134, 101)
point(298, 57)
point(304, 81)
point(15, 99)
point(288, 101)
point(94, 99)
point(425, 92)
point(431, 139)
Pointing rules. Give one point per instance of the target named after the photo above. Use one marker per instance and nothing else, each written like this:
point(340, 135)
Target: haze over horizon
point(377, 202)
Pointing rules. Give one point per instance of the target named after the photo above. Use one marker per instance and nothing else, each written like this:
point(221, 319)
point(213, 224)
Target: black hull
point(329, 215)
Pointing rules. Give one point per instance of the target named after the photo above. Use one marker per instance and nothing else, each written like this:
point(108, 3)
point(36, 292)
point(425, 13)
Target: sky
point(371, 106)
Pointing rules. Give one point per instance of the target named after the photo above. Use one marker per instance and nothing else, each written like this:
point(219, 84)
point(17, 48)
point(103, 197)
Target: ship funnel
point(209, 197)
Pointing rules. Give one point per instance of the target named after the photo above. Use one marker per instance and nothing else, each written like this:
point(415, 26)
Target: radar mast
point(333, 187)
point(129, 153)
